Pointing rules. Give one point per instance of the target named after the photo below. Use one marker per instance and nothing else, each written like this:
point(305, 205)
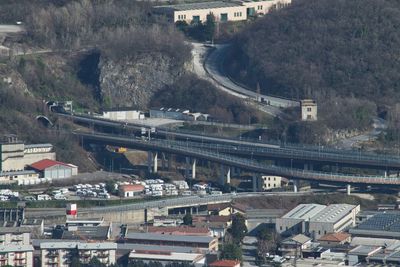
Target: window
point(269, 178)
point(280, 228)
point(309, 109)
point(196, 19)
point(259, 7)
point(274, 178)
point(224, 17)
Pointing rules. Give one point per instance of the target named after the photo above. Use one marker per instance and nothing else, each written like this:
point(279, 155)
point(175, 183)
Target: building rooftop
point(98, 245)
point(165, 255)
point(302, 239)
point(14, 230)
point(179, 230)
point(130, 247)
point(382, 222)
point(225, 263)
point(82, 233)
point(25, 172)
point(15, 248)
point(333, 213)
point(364, 250)
point(38, 146)
point(47, 163)
point(304, 211)
point(131, 187)
point(176, 238)
point(201, 5)
point(58, 245)
point(80, 245)
point(335, 237)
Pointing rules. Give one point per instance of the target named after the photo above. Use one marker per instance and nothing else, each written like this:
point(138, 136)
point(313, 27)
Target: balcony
point(102, 255)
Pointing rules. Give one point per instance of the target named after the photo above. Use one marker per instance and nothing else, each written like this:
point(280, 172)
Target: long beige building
point(15, 155)
point(221, 10)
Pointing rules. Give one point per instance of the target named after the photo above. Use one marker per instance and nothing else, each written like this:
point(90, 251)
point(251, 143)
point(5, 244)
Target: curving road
point(209, 65)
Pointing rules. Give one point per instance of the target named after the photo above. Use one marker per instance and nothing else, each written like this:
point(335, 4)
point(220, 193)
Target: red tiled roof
point(225, 263)
point(131, 187)
point(178, 230)
point(47, 163)
point(335, 237)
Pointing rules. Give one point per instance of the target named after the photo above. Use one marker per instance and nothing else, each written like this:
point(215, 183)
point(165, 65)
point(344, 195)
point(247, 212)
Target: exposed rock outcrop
point(134, 82)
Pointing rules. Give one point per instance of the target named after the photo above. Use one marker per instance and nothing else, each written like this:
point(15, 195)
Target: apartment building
point(268, 182)
point(60, 254)
point(221, 10)
point(14, 236)
point(15, 248)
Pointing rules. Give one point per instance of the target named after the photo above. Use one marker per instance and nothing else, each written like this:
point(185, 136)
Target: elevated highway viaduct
point(184, 149)
point(302, 154)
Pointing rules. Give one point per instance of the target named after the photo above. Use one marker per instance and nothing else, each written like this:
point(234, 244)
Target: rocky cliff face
point(134, 82)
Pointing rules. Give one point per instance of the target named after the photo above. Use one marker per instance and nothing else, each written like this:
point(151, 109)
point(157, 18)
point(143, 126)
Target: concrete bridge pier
point(155, 162)
point(225, 177)
point(255, 182)
point(348, 189)
point(152, 158)
point(296, 185)
point(194, 163)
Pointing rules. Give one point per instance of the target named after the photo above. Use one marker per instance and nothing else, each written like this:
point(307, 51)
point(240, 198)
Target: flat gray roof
point(304, 211)
point(79, 245)
point(202, 5)
point(130, 247)
point(177, 238)
point(16, 248)
point(333, 213)
point(94, 246)
point(14, 230)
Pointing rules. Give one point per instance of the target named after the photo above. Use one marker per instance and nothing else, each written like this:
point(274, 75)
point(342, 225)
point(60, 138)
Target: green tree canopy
point(187, 219)
point(231, 251)
point(238, 228)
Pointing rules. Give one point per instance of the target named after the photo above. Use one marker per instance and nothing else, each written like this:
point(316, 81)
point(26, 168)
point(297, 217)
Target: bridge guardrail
point(246, 163)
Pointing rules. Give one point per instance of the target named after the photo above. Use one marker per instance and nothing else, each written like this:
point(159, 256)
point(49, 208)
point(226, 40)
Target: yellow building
point(269, 182)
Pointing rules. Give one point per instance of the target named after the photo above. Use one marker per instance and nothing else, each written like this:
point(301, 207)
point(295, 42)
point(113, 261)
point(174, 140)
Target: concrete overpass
point(185, 149)
point(302, 153)
point(135, 213)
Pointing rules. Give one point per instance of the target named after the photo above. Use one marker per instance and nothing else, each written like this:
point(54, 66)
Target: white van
point(43, 197)
point(60, 197)
point(64, 190)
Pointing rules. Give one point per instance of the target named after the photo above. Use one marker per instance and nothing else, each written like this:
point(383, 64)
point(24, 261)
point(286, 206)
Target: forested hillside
point(343, 53)
point(71, 49)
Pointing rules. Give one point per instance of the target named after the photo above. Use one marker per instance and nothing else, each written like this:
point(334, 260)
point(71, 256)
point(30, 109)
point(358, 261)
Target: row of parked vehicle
point(92, 191)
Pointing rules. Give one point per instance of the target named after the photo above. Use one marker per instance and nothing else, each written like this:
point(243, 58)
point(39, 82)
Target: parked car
point(60, 197)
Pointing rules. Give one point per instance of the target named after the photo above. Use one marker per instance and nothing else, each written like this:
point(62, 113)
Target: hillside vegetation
point(342, 53)
point(201, 96)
